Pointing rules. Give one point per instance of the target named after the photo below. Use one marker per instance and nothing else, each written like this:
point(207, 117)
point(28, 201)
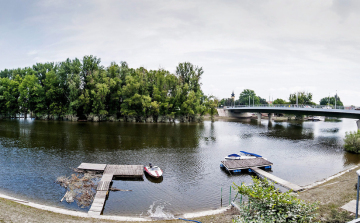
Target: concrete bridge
point(241, 111)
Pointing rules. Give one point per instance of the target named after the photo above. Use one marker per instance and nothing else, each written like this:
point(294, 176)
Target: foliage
point(279, 101)
point(352, 142)
point(84, 87)
point(331, 101)
point(337, 216)
point(247, 96)
point(267, 204)
point(304, 98)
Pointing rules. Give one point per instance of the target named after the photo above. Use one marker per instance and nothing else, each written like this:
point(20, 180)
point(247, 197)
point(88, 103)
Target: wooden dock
point(253, 165)
point(109, 172)
point(277, 180)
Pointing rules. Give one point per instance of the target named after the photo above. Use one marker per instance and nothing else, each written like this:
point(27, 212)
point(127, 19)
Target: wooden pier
point(109, 172)
point(277, 180)
point(253, 165)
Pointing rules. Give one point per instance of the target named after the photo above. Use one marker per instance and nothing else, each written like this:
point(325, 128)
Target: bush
point(352, 142)
point(268, 204)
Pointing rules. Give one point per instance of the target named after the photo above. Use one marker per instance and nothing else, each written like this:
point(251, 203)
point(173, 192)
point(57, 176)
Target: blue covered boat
point(242, 155)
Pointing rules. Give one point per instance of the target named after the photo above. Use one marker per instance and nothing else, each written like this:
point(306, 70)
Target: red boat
point(153, 171)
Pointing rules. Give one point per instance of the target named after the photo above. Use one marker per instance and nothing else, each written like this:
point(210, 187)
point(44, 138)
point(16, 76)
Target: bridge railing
point(288, 106)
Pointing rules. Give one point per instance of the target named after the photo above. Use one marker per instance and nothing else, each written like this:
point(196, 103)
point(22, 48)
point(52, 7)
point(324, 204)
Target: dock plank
point(103, 186)
point(125, 170)
point(276, 179)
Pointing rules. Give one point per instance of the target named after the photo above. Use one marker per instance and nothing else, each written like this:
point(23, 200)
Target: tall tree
point(331, 101)
point(304, 98)
point(248, 95)
point(279, 101)
point(31, 95)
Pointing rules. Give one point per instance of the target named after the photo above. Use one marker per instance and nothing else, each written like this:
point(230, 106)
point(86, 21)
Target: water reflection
point(289, 130)
point(153, 179)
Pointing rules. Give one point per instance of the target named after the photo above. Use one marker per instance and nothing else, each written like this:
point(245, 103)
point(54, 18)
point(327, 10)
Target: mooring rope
point(189, 220)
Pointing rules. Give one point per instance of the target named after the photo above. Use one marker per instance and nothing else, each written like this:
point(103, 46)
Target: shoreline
point(108, 217)
point(208, 213)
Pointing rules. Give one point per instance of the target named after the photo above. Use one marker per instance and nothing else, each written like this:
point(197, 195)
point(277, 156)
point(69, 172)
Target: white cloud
point(273, 47)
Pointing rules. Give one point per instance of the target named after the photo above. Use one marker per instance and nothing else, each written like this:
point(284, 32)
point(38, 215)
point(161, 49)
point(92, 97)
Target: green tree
point(279, 101)
point(10, 94)
point(54, 103)
point(304, 98)
point(247, 94)
point(31, 95)
point(331, 101)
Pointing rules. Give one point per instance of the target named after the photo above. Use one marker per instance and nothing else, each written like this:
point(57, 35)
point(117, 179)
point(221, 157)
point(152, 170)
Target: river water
point(34, 153)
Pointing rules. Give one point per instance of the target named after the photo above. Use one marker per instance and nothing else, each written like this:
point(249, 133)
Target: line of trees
point(248, 96)
point(83, 88)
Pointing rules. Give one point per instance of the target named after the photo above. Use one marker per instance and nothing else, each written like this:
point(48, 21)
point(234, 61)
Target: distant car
point(327, 107)
point(357, 108)
point(307, 106)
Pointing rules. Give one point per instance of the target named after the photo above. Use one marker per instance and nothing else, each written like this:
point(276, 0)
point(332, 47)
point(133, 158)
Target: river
point(34, 153)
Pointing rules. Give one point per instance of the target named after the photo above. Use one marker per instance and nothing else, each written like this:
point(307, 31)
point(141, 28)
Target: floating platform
point(109, 172)
point(245, 164)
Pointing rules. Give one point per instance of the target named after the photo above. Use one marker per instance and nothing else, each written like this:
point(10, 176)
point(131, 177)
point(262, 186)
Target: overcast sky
point(272, 47)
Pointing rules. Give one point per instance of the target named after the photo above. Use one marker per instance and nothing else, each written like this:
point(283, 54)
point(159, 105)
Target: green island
point(85, 90)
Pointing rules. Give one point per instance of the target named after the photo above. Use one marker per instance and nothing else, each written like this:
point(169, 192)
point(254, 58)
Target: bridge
point(340, 112)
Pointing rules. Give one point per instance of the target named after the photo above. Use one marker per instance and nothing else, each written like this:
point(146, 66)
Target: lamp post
point(357, 194)
point(335, 98)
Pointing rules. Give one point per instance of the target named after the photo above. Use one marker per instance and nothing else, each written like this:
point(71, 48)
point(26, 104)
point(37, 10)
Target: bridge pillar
point(270, 115)
point(259, 117)
point(358, 124)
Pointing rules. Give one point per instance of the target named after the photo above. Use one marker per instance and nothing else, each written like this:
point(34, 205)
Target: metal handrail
point(288, 106)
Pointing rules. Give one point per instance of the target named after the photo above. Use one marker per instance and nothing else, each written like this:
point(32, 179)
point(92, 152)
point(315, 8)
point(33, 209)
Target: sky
point(273, 47)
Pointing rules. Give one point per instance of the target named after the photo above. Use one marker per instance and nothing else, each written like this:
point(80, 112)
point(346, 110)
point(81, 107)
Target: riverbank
point(16, 210)
point(331, 193)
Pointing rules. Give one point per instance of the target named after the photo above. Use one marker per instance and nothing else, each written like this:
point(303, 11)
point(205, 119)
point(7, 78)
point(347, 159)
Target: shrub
point(352, 142)
point(268, 204)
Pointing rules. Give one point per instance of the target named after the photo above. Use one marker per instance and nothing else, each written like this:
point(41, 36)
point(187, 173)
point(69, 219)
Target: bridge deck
point(340, 113)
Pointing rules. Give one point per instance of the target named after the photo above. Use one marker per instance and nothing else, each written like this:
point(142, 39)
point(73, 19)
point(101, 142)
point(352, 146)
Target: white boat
point(233, 157)
point(153, 171)
point(316, 118)
point(242, 156)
